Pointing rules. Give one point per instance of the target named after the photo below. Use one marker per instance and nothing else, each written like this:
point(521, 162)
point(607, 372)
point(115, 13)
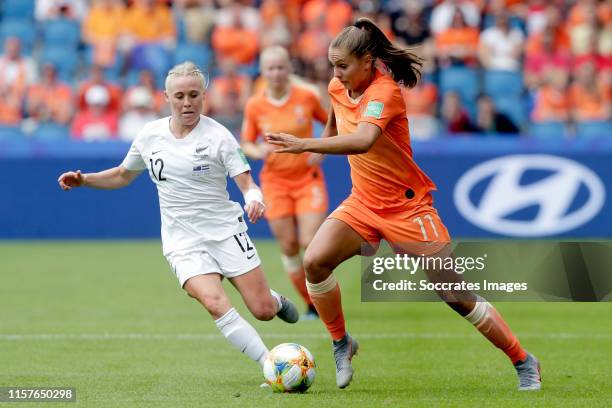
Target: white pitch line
point(216, 336)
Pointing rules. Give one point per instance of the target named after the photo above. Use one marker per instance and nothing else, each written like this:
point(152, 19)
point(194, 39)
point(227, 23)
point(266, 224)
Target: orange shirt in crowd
point(294, 116)
point(590, 105)
point(149, 25)
point(271, 9)
point(10, 111)
point(382, 176)
point(238, 44)
point(101, 28)
point(103, 23)
point(551, 105)
point(535, 45)
point(577, 14)
point(420, 100)
point(337, 14)
point(56, 99)
point(457, 37)
point(313, 44)
point(228, 92)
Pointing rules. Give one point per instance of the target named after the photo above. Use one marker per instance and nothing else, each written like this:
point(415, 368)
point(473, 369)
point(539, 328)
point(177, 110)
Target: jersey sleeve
point(233, 158)
point(383, 103)
point(133, 159)
point(249, 130)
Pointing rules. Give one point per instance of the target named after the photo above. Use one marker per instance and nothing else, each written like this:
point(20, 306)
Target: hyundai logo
point(505, 193)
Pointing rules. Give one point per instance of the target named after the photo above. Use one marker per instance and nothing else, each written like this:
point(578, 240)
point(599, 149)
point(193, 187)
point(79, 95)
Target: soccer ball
point(289, 368)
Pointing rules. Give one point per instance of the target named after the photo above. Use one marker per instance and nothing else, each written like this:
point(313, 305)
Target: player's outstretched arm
point(253, 198)
point(110, 179)
point(256, 151)
point(361, 141)
point(330, 130)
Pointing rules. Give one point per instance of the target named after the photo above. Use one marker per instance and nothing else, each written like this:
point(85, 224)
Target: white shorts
point(231, 257)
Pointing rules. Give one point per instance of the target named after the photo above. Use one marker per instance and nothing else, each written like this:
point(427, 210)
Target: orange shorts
point(417, 231)
point(285, 198)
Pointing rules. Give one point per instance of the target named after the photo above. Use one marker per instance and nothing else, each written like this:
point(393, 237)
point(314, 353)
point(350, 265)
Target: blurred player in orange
point(293, 185)
point(390, 198)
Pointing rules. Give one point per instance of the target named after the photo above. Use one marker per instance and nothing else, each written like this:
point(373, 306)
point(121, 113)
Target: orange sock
point(299, 283)
point(490, 323)
point(328, 302)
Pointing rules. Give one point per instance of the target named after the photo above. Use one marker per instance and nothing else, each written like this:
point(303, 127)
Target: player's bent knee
point(264, 311)
point(317, 270)
point(290, 248)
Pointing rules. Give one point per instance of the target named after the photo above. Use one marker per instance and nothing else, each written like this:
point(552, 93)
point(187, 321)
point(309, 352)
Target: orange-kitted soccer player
point(293, 185)
point(391, 197)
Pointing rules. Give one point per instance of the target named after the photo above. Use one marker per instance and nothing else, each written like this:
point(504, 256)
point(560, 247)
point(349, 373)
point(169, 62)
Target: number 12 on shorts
point(242, 239)
point(419, 220)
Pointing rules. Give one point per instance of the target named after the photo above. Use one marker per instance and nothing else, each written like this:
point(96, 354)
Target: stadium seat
point(462, 80)
point(23, 9)
point(51, 132)
point(181, 30)
point(503, 83)
point(196, 53)
point(593, 129)
point(22, 29)
point(152, 57)
point(548, 130)
point(61, 32)
point(65, 60)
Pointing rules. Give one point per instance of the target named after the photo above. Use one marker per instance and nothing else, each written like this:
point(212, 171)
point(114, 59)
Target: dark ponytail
point(364, 37)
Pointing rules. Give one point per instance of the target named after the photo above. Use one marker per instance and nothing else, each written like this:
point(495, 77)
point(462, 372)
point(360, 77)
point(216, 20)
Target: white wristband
point(254, 194)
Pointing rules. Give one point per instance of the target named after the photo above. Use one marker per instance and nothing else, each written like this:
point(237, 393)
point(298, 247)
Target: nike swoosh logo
point(249, 257)
point(152, 153)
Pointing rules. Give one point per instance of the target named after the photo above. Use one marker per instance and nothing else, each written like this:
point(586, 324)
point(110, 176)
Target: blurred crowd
point(94, 69)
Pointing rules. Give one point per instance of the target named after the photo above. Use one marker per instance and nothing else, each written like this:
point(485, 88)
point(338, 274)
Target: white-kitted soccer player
point(204, 234)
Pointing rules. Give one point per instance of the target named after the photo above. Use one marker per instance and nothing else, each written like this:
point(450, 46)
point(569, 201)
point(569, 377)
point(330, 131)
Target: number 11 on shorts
point(419, 221)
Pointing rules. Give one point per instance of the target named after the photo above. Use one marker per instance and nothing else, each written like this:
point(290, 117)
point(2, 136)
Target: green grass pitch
point(108, 318)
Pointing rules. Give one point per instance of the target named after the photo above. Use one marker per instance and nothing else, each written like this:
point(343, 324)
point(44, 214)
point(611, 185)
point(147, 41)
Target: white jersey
point(191, 179)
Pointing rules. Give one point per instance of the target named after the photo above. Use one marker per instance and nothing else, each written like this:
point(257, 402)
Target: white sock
point(278, 299)
point(242, 335)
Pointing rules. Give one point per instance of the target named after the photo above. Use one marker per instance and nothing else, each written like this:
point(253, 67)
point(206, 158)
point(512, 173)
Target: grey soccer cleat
point(344, 350)
point(288, 312)
point(529, 375)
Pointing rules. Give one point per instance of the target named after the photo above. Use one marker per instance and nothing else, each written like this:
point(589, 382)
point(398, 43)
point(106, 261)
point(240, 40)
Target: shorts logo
point(374, 109)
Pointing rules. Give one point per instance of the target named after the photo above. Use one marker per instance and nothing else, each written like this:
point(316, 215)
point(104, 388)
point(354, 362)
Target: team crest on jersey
point(201, 150)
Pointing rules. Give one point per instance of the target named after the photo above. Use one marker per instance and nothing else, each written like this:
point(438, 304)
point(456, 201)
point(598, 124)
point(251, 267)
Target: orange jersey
point(293, 116)
point(386, 178)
